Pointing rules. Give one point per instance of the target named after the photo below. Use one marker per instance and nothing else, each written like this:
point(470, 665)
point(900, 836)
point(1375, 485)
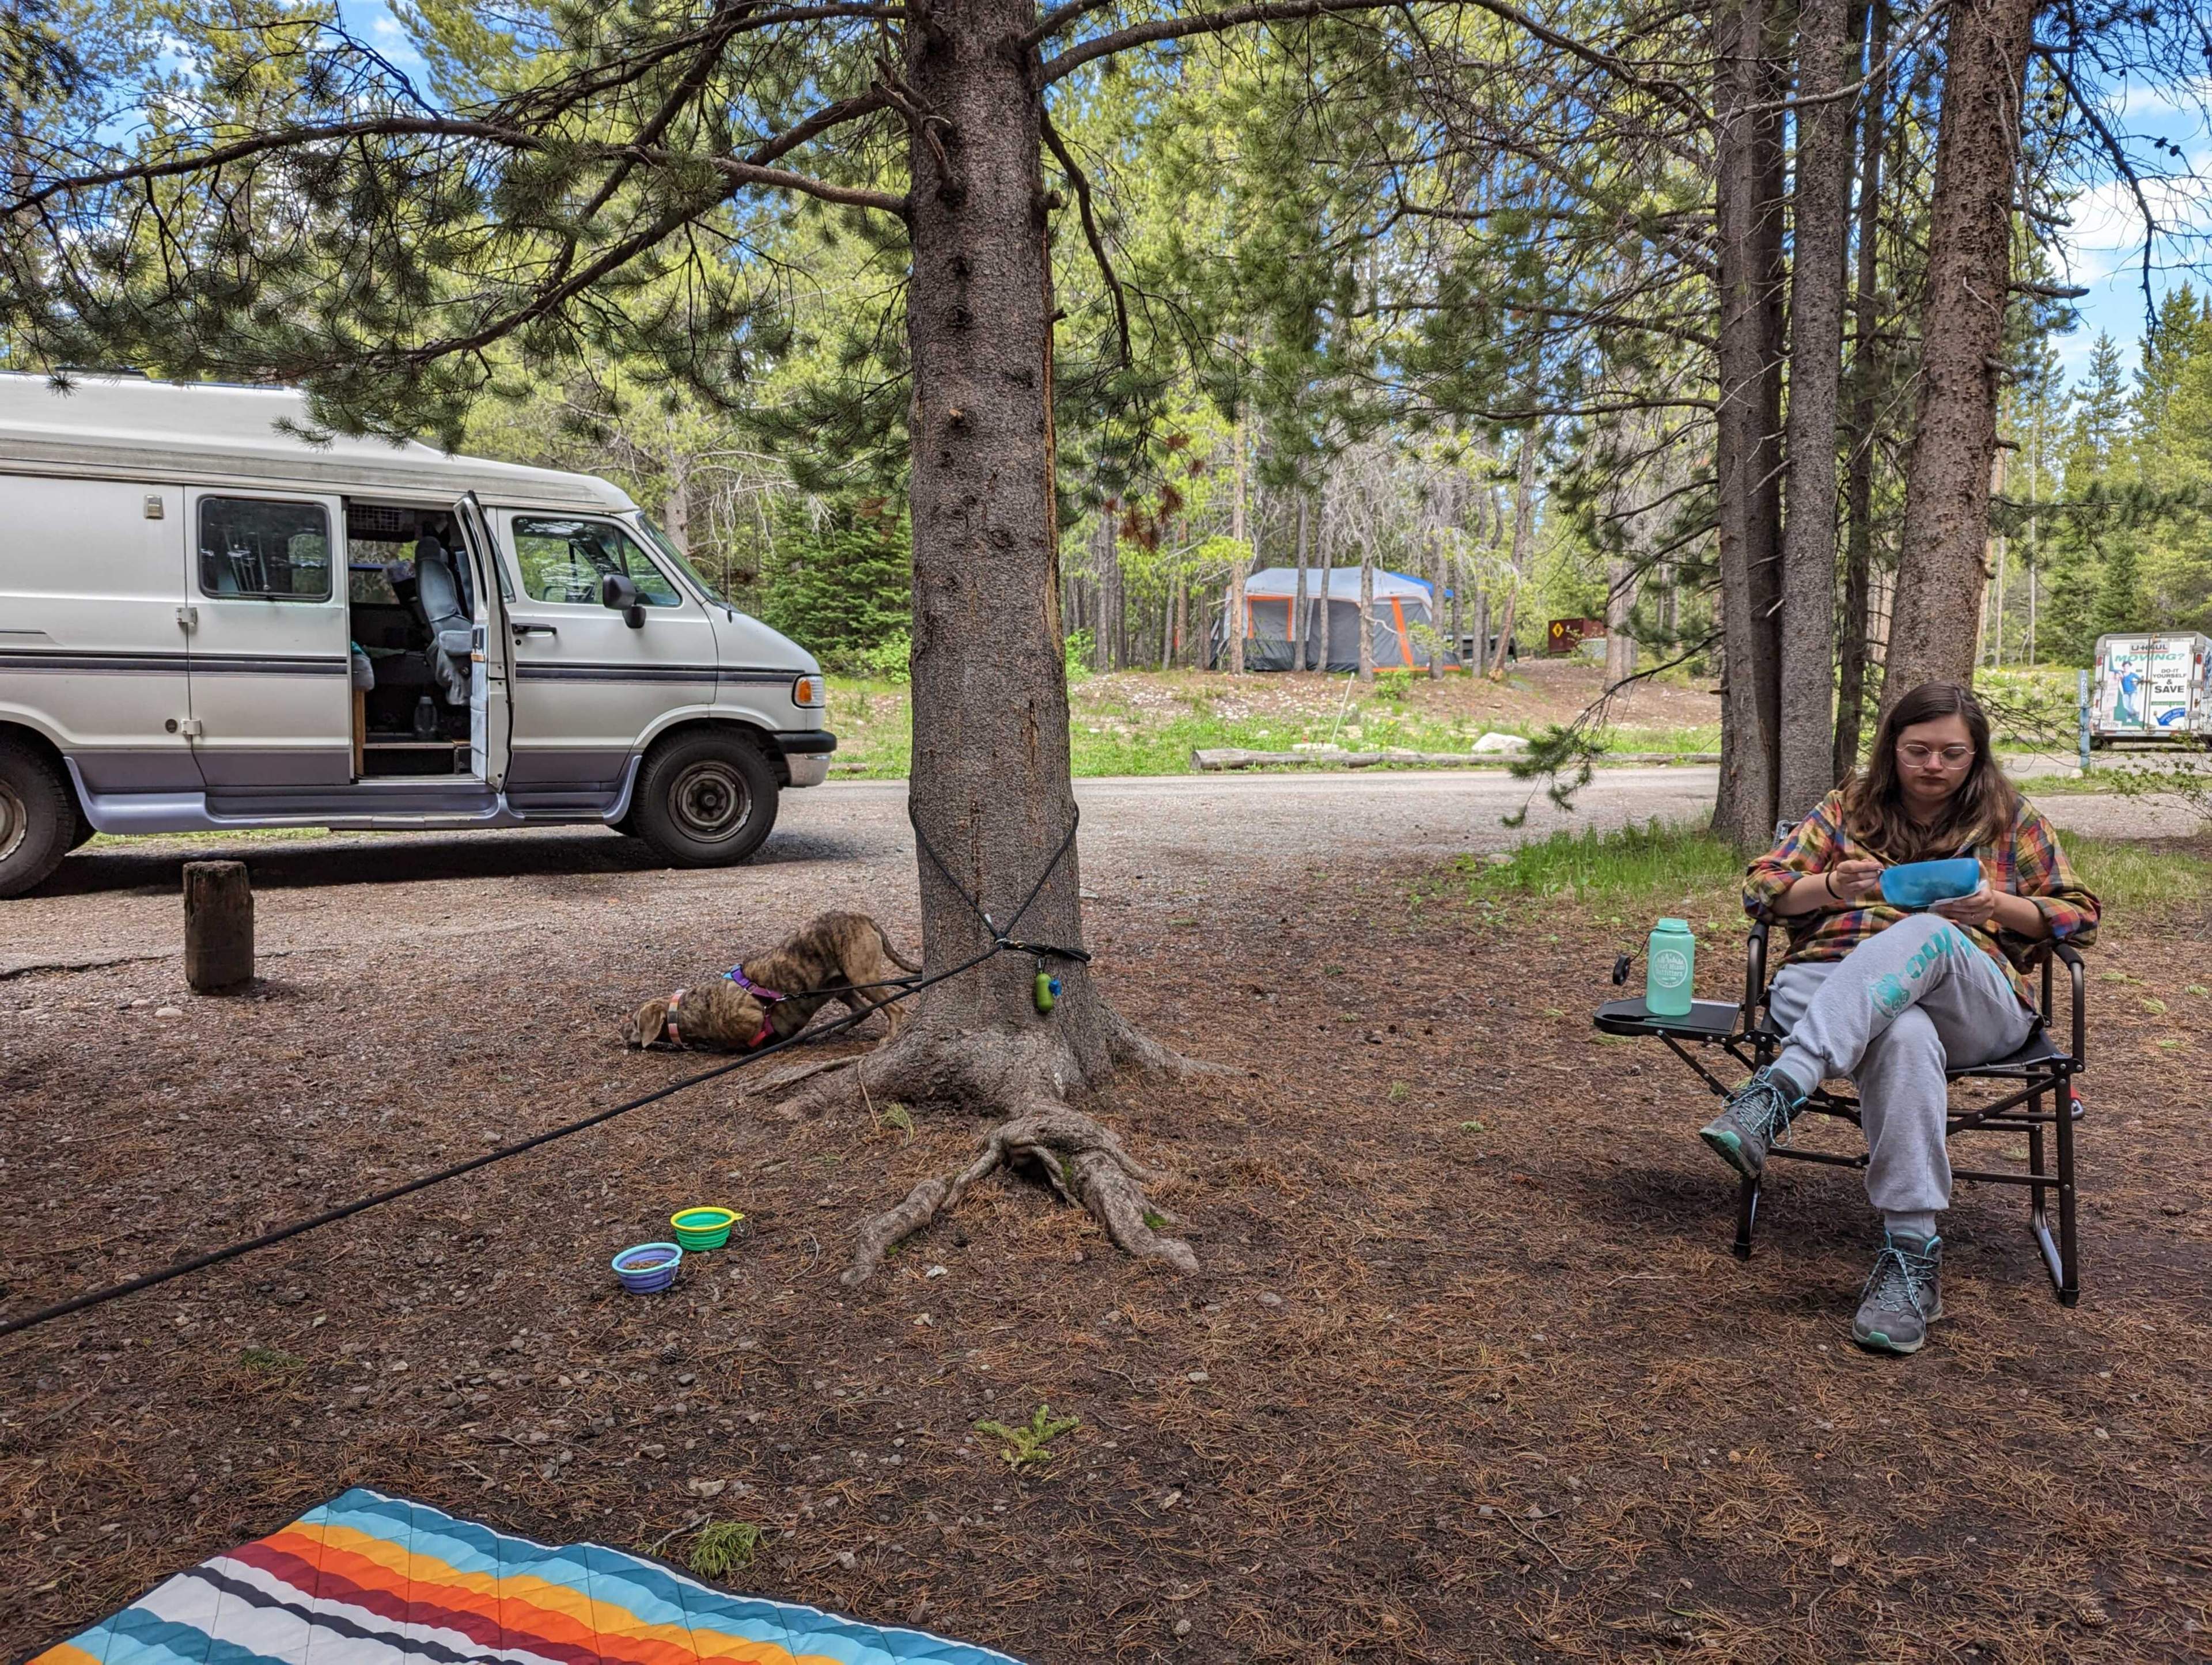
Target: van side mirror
point(619, 591)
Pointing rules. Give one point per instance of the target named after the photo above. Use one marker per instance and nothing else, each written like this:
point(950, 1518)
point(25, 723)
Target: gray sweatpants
point(1889, 1016)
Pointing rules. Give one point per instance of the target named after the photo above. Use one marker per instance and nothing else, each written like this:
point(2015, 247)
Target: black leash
point(331, 1216)
point(1000, 938)
point(904, 987)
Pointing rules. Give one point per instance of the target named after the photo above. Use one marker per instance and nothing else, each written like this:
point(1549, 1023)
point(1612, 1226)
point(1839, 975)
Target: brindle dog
point(835, 957)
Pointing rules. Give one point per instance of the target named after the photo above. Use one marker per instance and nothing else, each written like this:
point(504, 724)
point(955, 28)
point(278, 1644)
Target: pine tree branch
point(1060, 17)
point(1214, 23)
point(2119, 155)
point(747, 171)
point(1281, 11)
point(553, 295)
point(782, 178)
point(1092, 233)
point(829, 116)
point(453, 127)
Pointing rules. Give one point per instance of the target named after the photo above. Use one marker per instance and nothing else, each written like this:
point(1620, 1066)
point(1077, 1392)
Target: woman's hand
point(1977, 909)
point(1855, 881)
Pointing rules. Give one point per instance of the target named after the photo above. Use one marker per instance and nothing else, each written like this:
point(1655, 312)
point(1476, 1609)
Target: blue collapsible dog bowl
point(1918, 883)
point(648, 1268)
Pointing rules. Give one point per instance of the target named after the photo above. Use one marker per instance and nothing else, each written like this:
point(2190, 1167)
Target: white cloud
point(2104, 244)
point(2185, 100)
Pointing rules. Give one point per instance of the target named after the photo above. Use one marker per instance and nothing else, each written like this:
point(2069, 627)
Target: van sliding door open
point(491, 717)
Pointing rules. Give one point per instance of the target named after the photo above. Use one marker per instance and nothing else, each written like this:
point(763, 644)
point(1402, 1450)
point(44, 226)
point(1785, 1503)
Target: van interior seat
point(452, 632)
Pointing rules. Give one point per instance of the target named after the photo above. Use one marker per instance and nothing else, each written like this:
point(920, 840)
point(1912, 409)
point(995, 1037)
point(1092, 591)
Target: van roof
point(109, 425)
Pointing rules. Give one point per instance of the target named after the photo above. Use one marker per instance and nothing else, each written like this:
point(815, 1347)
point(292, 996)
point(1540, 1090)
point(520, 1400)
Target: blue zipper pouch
point(1915, 884)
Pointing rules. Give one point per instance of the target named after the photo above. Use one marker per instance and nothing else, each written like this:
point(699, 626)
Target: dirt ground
point(1467, 1374)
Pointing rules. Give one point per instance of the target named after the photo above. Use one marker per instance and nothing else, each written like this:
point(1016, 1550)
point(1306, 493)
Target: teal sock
point(1921, 1225)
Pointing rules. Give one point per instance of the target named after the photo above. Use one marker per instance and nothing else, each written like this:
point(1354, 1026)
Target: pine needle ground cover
point(1467, 1372)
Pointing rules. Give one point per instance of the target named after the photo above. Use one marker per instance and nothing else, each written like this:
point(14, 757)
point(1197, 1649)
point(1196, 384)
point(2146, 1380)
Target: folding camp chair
point(2041, 1096)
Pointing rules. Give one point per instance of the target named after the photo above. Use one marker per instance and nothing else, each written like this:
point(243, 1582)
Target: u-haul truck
point(2151, 686)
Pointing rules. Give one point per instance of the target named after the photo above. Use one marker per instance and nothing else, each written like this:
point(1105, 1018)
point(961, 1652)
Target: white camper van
point(208, 623)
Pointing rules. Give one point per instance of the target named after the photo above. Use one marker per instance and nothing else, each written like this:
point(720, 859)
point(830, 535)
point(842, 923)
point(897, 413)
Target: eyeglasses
point(1921, 756)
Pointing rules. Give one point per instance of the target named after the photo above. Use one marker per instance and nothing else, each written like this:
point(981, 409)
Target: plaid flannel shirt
point(2029, 863)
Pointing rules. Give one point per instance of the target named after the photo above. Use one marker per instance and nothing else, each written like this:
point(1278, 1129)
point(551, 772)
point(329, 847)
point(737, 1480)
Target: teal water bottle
point(1670, 970)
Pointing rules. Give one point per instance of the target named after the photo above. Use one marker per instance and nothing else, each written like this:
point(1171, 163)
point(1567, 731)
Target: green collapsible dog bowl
point(703, 1228)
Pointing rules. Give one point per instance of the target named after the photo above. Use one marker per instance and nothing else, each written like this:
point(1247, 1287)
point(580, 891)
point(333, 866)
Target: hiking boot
point(1902, 1296)
point(1757, 1118)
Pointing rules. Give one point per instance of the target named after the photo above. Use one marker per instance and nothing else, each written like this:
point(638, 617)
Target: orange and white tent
point(1403, 619)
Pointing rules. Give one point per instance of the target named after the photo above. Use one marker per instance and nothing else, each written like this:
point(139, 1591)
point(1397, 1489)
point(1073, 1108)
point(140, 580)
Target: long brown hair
point(1979, 812)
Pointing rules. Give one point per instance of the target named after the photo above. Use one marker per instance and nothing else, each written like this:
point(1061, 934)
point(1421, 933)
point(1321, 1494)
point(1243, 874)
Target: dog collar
point(675, 1005)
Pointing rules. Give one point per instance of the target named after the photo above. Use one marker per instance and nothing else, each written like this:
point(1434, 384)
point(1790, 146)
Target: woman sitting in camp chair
point(1888, 998)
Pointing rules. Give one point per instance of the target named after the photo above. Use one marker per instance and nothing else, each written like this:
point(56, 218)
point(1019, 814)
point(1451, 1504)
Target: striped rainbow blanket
point(371, 1580)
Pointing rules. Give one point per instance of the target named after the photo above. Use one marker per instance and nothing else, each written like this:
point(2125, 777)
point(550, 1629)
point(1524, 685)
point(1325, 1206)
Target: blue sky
point(373, 22)
point(2104, 247)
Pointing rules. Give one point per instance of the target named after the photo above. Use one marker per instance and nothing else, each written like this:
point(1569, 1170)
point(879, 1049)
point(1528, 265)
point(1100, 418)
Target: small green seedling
point(1399, 1092)
point(896, 1114)
point(1154, 1220)
point(1473, 1127)
point(725, 1547)
point(1032, 1444)
point(271, 1361)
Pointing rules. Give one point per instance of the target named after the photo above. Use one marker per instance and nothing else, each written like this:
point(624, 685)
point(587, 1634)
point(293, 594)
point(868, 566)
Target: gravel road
point(846, 844)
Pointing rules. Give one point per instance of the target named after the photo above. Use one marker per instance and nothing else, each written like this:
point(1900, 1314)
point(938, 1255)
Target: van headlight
point(809, 693)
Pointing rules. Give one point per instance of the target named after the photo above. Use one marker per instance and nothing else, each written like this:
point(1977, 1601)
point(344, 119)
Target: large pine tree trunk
point(990, 764)
point(1938, 604)
point(1300, 630)
point(1816, 348)
point(1747, 150)
point(1866, 362)
point(989, 784)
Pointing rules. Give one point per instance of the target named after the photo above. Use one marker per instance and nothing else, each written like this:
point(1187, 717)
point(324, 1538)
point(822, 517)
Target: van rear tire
point(37, 818)
point(705, 800)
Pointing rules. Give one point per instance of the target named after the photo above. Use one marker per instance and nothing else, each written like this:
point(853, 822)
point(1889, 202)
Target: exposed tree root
point(1081, 1160)
point(1028, 1076)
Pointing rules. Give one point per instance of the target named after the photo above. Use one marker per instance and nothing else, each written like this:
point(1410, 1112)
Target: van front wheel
point(705, 800)
point(37, 819)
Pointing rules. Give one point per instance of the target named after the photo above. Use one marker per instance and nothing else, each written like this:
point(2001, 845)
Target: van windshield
point(666, 545)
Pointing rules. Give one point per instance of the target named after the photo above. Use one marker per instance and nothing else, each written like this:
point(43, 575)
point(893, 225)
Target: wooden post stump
point(218, 925)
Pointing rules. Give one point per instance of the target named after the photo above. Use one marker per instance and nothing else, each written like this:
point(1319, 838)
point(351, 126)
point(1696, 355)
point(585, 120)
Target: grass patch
point(1634, 864)
point(271, 1361)
point(1148, 728)
point(724, 1547)
point(2132, 878)
point(1655, 865)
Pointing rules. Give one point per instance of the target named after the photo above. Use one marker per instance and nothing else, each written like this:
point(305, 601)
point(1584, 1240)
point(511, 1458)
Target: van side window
point(563, 560)
point(279, 551)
